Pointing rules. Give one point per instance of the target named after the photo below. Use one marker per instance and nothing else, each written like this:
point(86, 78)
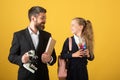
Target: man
point(35, 39)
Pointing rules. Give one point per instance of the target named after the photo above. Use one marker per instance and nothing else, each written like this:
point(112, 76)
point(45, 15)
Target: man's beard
point(40, 26)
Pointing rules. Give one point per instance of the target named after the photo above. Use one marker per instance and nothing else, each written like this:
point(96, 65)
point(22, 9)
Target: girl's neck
point(78, 34)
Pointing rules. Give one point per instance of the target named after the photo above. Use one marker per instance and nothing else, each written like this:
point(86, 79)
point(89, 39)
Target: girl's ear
point(81, 27)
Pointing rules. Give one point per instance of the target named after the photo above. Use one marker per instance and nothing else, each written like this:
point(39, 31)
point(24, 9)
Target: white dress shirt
point(35, 37)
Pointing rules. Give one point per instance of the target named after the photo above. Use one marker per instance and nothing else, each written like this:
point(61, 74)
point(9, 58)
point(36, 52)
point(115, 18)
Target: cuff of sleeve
point(91, 57)
point(20, 61)
point(51, 60)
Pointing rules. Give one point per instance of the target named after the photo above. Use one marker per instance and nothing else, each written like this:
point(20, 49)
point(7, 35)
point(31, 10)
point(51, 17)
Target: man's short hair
point(33, 11)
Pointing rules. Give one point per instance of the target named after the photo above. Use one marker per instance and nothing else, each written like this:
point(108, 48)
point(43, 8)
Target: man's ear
point(33, 18)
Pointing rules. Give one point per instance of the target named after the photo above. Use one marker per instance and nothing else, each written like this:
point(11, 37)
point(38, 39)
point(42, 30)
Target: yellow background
point(104, 14)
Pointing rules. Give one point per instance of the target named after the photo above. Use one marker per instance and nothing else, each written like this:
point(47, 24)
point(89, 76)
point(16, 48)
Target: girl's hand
point(79, 53)
point(86, 52)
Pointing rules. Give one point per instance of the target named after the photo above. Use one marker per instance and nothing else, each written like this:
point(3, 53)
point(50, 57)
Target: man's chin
point(40, 27)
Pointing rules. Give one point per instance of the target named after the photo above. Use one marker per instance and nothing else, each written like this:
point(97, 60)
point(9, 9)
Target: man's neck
point(33, 28)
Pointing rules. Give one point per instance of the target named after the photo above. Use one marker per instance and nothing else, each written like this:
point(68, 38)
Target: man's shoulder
point(45, 32)
point(20, 31)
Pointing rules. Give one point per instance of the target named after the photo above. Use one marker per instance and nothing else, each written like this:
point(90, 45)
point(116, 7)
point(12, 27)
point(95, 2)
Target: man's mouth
point(42, 24)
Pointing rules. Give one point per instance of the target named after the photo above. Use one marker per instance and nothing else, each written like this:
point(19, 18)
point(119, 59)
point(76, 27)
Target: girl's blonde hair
point(87, 33)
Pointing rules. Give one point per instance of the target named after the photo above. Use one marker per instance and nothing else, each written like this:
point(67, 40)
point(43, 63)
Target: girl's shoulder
point(67, 39)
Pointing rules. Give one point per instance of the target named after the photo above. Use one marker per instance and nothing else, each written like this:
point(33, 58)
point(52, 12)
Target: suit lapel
point(29, 39)
point(41, 46)
point(41, 42)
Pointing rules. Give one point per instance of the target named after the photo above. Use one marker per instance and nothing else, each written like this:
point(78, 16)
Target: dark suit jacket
point(21, 44)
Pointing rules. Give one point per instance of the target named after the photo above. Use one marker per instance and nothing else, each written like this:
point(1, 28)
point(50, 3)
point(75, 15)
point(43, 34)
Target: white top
point(35, 37)
point(79, 40)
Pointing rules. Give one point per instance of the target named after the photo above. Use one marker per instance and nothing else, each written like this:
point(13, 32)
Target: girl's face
point(75, 27)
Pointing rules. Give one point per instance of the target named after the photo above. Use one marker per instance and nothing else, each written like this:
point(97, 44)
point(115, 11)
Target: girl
point(82, 49)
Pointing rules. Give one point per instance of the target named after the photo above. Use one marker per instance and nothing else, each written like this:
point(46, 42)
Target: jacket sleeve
point(14, 55)
point(91, 57)
point(65, 54)
point(53, 58)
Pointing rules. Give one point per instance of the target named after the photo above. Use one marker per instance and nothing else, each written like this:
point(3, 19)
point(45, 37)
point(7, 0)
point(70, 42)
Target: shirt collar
point(77, 39)
point(31, 32)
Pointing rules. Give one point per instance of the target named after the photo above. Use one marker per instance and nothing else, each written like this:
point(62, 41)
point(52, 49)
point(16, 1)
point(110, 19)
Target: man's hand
point(25, 58)
point(45, 58)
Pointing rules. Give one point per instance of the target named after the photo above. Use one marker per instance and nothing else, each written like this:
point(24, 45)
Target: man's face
point(40, 21)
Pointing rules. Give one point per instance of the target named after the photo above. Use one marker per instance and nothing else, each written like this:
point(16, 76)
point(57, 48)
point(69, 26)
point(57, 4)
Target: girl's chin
point(73, 32)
